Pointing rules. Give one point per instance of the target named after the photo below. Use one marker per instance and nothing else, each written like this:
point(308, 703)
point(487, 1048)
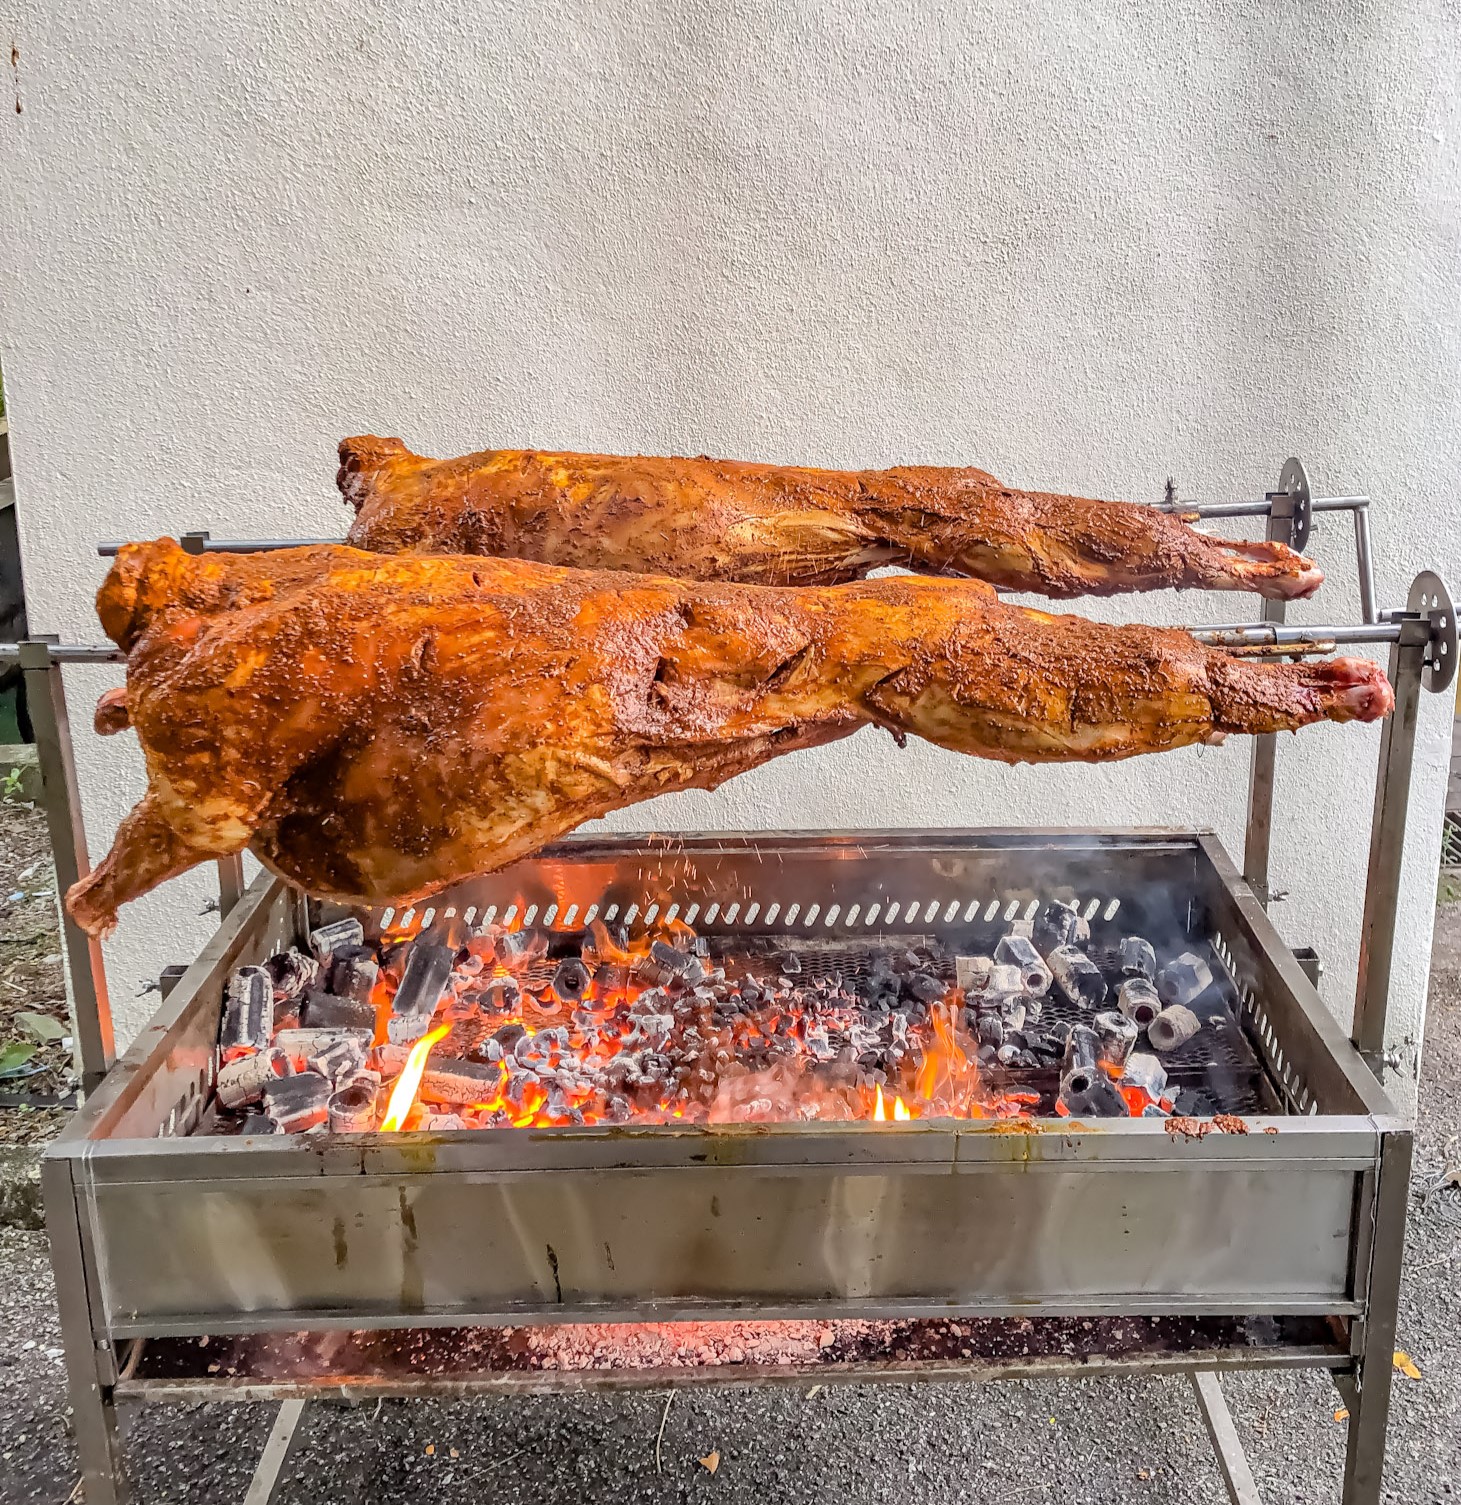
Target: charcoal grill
point(410, 1264)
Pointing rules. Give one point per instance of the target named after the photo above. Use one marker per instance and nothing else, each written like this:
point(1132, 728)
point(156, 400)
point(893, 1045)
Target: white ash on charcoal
point(354, 972)
point(302, 1044)
point(293, 974)
point(1019, 952)
point(1184, 979)
point(248, 1013)
point(1086, 1089)
point(342, 1057)
point(1078, 977)
point(1117, 1036)
point(241, 1082)
point(1146, 1073)
point(1138, 958)
point(1172, 1028)
point(329, 939)
point(1138, 999)
point(351, 1108)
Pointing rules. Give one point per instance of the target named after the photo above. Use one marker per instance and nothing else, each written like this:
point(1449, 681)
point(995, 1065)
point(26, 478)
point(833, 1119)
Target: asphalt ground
point(1076, 1442)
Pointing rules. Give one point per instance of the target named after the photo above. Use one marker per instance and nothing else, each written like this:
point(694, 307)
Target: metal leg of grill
point(1369, 1411)
point(88, 1361)
point(282, 1438)
point(1226, 1444)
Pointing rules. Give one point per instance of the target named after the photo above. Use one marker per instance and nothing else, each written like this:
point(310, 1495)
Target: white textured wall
point(1083, 245)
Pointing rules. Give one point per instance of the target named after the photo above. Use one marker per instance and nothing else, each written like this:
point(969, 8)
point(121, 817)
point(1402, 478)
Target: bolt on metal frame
point(1423, 643)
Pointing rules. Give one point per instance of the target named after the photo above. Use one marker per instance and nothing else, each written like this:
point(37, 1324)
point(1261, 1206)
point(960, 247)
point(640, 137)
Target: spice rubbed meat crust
point(708, 519)
point(376, 727)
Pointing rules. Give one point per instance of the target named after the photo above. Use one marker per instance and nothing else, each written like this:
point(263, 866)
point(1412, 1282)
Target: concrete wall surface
point(1084, 245)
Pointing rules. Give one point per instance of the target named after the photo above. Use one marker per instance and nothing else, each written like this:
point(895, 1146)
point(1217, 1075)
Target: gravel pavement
point(1079, 1443)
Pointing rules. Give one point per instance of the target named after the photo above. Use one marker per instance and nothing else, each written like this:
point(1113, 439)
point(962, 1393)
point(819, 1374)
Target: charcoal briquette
point(1019, 951)
point(925, 987)
point(242, 1081)
point(326, 1011)
point(248, 1012)
point(1184, 979)
point(353, 973)
point(342, 1057)
point(571, 980)
point(1055, 925)
point(1145, 1071)
point(298, 1102)
point(1117, 1035)
point(1078, 977)
point(351, 1109)
point(1137, 999)
point(423, 986)
point(292, 973)
point(1172, 1028)
point(334, 937)
point(1138, 958)
point(971, 973)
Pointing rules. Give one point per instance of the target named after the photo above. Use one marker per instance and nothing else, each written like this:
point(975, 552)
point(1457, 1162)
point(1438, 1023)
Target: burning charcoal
point(1022, 929)
point(1155, 1110)
point(291, 972)
point(1137, 999)
point(1085, 1089)
point(257, 1123)
point(1148, 1073)
point(1174, 1026)
point(298, 1102)
point(571, 980)
point(242, 1082)
point(1185, 979)
point(989, 1030)
point(791, 963)
point(329, 939)
point(423, 986)
point(248, 1014)
point(517, 948)
point(508, 1036)
point(1078, 977)
point(1007, 1055)
point(1117, 1036)
point(351, 1109)
point(925, 987)
point(455, 1083)
point(1082, 932)
point(442, 1123)
point(1055, 925)
point(325, 1011)
point(1018, 951)
point(971, 973)
point(617, 1110)
point(300, 1044)
point(353, 973)
point(1137, 958)
point(362, 1076)
point(342, 1057)
point(501, 996)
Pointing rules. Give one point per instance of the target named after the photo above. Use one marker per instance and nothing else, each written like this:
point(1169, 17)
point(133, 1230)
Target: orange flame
point(403, 1094)
point(900, 1111)
point(880, 1110)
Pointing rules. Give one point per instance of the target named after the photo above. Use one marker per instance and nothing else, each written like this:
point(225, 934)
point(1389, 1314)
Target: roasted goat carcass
point(787, 525)
point(376, 727)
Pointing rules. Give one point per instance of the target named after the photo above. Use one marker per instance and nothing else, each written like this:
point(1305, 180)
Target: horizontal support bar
point(68, 653)
point(201, 543)
point(1312, 639)
point(1260, 508)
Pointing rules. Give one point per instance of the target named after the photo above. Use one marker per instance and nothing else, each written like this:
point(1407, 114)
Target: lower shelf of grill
point(464, 1360)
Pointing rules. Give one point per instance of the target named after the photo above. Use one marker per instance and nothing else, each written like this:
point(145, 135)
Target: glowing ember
point(403, 1094)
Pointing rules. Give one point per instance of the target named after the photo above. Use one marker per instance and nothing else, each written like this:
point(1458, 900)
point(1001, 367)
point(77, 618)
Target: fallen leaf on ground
point(710, 1462)
point(1406, 1365)
point(430, 1449)
point(14, 1055)
point(1342, 1414)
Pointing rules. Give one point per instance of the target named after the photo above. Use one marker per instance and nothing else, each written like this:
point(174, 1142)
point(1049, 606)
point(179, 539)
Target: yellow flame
point(403, 1094)
point(880, 1111)
point(900, 1111)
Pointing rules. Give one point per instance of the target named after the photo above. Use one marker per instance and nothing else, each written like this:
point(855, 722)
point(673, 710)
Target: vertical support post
point(230, 883)
point(1227, 1446)
point(1387, 844)
point(1369, 1413)
point(1364, 561)
point(88, 1359)
point(1259, 839)
point(95, 1045)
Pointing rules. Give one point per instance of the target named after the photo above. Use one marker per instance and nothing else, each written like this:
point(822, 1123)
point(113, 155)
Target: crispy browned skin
point(786, 525)
point(376, 727)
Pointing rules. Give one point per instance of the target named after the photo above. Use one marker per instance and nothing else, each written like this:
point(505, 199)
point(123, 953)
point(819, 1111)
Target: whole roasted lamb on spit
point(375, 727)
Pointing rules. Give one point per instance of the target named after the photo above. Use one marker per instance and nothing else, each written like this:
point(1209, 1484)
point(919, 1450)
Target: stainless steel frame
point(1302, 1218)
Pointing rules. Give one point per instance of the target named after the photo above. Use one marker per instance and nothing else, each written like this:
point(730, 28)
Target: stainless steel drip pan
point(194, 1234)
